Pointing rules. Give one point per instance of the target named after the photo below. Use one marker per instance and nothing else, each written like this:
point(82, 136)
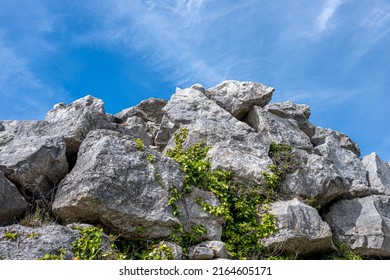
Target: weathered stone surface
point(12, 204)
point(150, 111)
point(378, 173)
point(236, 146)
point(127, 189)
point(74, 121)
point(363, 224)
point(30, 158)
point(317, 179)
point(2, 127)
point(278, 129)
point(300, 230)
point(115, 184)
point(239, 97)
point(342, 153)
point(324, 135)
point(200, 252)
point(137, 128)
point(32, 243)
point(298, 112)
point(218, 248)
point(192, 214)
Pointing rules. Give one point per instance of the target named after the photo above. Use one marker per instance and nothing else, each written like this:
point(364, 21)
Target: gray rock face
point(12, 204)
point(218, 248)
point(317, 178)
point(199, 252)
point(378, 173)
point(239, 97)
point(126, 188)
point(33, 243)
point(342, 153)
point(115, 184)
point(30, 158)
point(74, 121)
point(298, 112)
point(324, 135)
point(236, 146)
point(363, 224)
point(278, 129)
point(191, 213)
point(150, 111)
point(300, 230)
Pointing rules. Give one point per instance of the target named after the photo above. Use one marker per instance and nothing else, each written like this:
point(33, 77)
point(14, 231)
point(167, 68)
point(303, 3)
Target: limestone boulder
point(317, 179)
point(239, 97)
point(378, 173)
point(200, 252)
point(31, 158)
point(362, 224)
point(325, 135)
point(235, 145)
point(298, 112)
point(278, 129)
point(29, 243)
point(125, 187)
point(343, 155)
point(74, 121)
point(12, 203)
point(300, 230)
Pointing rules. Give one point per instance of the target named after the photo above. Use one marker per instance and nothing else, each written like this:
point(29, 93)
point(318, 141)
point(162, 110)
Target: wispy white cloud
point(181, 40)
point(373, 28)
point(322, 22)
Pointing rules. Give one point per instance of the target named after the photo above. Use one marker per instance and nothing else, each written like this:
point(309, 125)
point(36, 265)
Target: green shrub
point(243, 227)
point(140, 144)
point(344, 253)
point(11, 235)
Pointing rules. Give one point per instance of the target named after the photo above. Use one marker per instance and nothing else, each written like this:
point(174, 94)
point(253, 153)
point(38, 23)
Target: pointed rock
point(342, 152)
point(298, 112)
point(239, 97)
point(378, 173)
point(74, 121)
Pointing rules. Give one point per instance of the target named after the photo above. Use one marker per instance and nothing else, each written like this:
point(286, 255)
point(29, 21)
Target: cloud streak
point(327, 13)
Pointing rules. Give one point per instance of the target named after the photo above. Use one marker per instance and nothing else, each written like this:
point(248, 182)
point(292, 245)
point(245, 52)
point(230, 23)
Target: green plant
point(344, 253)
point(188, 238)
point(37, 218)
point(158, 252)
point(243, 227)
point(11, 235)
point(284, 163)
point(33, 235)
point(140, 144)
point(150, 158)
point(60, 256)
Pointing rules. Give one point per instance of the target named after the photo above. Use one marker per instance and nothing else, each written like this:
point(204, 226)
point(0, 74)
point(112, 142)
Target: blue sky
point(331, 54)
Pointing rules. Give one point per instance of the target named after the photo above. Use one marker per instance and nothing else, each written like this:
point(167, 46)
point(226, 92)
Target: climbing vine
point(244, 227)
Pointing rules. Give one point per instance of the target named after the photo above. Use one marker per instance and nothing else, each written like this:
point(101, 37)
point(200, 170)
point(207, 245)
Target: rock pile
point(86, 166)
